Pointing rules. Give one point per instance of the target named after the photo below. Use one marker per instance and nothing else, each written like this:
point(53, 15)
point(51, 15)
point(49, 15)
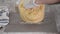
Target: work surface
point(52, 18)
point(49, 24)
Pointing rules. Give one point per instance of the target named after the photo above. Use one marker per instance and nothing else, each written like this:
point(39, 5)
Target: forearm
point(59, 0)
point(47, 1)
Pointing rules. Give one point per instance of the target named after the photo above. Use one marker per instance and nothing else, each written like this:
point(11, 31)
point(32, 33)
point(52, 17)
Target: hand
point(46, 1)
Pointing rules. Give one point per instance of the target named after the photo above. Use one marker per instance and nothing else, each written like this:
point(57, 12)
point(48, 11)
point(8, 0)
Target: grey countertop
point(52, 18)
point(48, 25)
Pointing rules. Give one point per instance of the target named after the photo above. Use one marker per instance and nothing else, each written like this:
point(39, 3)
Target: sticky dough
point(31, 15)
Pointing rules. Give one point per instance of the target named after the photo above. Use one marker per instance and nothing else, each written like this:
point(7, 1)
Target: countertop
point(48, 25)
point(51, 22)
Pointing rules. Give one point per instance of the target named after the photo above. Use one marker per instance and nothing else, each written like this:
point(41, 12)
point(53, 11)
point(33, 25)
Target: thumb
point(39, 2)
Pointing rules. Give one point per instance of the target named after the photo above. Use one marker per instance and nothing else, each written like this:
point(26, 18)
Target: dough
point(31, 15)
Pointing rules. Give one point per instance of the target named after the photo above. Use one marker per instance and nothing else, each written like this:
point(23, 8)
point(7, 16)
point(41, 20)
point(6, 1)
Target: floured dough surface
point(31, 15)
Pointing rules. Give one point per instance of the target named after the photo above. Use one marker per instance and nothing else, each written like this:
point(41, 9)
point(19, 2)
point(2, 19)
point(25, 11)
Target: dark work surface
point(48, 25)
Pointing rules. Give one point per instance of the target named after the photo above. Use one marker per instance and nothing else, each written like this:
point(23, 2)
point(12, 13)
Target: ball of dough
point(31, 15)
